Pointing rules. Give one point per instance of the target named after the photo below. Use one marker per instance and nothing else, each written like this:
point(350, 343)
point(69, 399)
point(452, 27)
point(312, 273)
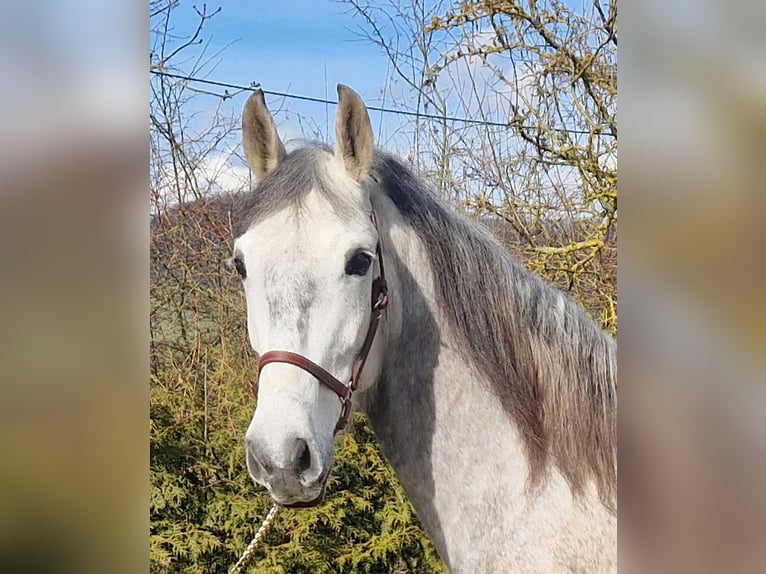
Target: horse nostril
point(256, 459)
point(303, 462)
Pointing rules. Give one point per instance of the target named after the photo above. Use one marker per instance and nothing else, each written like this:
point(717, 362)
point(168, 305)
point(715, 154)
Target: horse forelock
point(302, 171)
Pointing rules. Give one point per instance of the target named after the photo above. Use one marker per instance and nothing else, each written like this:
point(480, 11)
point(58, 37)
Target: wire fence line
point(254, 86)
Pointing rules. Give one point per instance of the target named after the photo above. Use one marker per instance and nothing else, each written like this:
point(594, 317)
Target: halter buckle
point(381, 288)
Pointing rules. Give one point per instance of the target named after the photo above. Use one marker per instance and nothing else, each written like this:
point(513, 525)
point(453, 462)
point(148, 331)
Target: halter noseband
point(379, 303)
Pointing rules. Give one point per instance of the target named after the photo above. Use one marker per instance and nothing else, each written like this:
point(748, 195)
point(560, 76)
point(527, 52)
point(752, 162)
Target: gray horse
point(492, 394)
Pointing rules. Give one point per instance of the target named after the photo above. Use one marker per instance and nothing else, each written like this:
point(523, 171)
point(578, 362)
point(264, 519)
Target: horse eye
point(359, 263)
point(239, 265)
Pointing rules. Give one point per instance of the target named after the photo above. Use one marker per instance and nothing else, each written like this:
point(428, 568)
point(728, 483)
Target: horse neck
point(409, 407)
point(455, 450)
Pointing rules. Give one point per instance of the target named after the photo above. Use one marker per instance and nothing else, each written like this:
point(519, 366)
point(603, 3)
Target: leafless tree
point(538, 157)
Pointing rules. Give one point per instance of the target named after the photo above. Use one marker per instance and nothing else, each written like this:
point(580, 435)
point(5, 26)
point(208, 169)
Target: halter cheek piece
point(379, 302)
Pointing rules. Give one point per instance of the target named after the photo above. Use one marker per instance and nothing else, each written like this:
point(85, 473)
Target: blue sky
point(307, 47)
point(304, 47)
point(286, 45)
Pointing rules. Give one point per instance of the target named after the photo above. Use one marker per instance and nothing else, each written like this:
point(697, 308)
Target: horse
point(491, 393)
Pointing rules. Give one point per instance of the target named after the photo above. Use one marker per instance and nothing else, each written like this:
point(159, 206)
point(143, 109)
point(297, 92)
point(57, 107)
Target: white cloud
point(217, 172)
point(222, 171)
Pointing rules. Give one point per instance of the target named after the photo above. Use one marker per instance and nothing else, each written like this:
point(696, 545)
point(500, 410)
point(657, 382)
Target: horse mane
point(552, 368)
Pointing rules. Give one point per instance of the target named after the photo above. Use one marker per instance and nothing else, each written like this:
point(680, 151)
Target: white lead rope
point(248, 553)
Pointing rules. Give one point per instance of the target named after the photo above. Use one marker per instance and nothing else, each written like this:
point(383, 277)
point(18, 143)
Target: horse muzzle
point(295, 475)
point(291, 494)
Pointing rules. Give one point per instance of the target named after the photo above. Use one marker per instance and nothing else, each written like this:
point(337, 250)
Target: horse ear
point(353, 133)
point(263, 148)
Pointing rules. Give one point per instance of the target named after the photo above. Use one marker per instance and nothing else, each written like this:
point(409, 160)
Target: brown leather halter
point(379, 303)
